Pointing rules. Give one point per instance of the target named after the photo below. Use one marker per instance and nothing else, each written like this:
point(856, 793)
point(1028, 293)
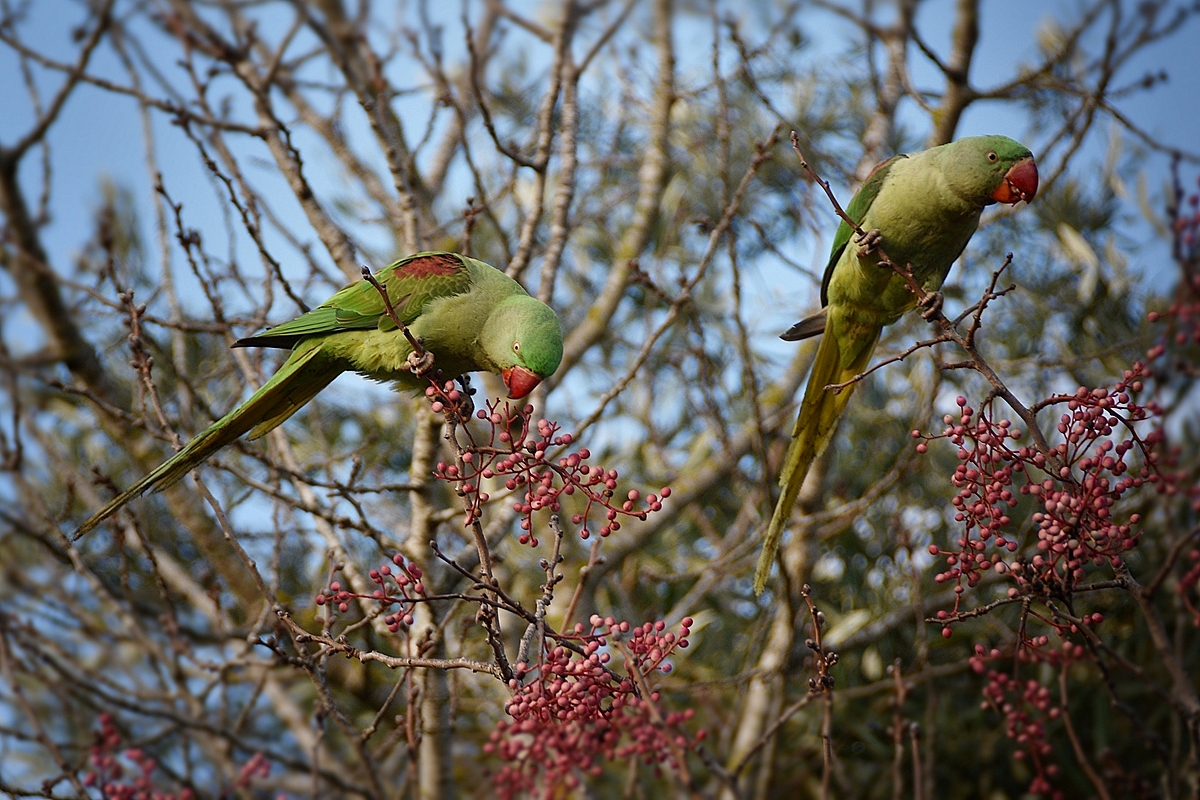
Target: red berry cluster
point(516, 449)
point(257, 767)
point(402, 587)
point(1027, 707)
point(1186, 226)
point(1182, 318)
point(116, 781)
point(1077, 523)
point(1183, 321)
point(447, 399)
point(576, 712)
point(112, 777)
point(1177, 348)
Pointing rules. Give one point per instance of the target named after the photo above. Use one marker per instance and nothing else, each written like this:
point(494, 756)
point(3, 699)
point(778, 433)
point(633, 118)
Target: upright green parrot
point(920, 210)
point(469, 315)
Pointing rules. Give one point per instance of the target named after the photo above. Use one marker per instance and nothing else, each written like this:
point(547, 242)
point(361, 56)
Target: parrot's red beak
point(519, 381)
point(1020, 183)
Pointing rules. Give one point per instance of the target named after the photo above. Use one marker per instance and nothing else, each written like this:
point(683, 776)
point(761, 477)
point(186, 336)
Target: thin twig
point(821, 686)
point(1080, 756)
point(1169, 562)
point(391, 312)
point(898, 729)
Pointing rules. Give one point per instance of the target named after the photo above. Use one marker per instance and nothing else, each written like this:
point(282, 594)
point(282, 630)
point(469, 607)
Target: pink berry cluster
point(576, 712)
point(1177, 349)
point(1077, 523)
point(400, 587)
point(1027, 707)
point(116, 781)
point(447, 399)
point(257, 767)
point(113, 778)
point(1182, 317)
point(516, 450)
point(1186, 227)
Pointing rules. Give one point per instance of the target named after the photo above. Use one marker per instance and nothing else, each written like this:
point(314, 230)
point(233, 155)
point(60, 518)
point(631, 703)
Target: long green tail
point(306, 372)
point(819, 414)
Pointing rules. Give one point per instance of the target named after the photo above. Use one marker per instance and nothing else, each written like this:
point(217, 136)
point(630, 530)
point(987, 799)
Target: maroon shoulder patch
point(425, 266)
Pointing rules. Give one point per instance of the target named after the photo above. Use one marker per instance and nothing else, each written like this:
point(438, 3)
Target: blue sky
point(99, 135)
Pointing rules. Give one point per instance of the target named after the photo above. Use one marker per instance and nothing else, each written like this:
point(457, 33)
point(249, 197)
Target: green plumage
point(469, 315)
point(927, 207)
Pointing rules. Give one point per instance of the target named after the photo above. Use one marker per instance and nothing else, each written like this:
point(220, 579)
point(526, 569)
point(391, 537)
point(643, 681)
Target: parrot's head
point(524, 340)
point(992, 169)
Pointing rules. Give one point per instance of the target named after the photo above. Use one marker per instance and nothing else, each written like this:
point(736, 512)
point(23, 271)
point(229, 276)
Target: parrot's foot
point(419, 365)
point(868, 242)
point(932, 305)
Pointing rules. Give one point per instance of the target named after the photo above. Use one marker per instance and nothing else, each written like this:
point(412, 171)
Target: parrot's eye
point(992, 157)
point(516, 347)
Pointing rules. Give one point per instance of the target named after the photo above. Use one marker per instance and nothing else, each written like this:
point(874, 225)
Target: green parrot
point(469, 315)
point(921, 210)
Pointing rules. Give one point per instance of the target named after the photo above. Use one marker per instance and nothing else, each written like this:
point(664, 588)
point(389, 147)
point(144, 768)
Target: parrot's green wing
point(475, 317)
point(411, 284)
point(857, 210)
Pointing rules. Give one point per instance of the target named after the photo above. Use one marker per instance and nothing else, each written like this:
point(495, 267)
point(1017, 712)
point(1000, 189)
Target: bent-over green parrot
point(921, 210)
point(469, 315)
